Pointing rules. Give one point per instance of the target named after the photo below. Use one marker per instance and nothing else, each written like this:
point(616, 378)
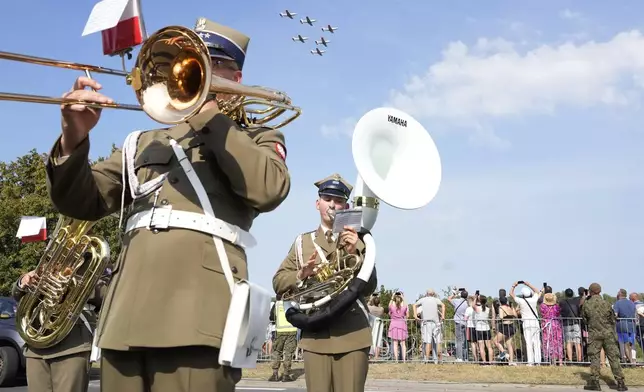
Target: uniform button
point(205, 131)
point(174, 180)
point(164, 201)
point(234, 269)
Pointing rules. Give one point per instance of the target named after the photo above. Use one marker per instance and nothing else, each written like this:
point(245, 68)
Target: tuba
point(68, 272)
point(390, 149)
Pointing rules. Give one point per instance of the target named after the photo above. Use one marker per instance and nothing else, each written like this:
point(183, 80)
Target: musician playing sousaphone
point(64, 367)
point(336, 358)
point(164, 315)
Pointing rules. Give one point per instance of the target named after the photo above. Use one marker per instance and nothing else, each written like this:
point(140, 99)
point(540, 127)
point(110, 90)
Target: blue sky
point(535, 109)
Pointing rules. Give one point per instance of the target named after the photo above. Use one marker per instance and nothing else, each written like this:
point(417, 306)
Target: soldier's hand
point(309, 267)
point(78, 120)
point(29, 279)
point(349, 238)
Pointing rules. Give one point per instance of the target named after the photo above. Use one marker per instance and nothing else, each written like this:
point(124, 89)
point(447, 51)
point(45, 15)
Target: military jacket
point(168, 288)
point(351, 330)
point(79, 338)
point(599, 317)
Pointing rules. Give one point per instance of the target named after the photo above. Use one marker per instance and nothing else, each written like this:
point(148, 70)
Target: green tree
point(23, 192)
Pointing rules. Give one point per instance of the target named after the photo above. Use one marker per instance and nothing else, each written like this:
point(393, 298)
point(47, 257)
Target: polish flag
point(32, 229)
point(120, 23)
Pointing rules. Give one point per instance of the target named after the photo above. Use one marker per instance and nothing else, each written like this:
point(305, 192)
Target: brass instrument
point(330, 279)
point(172, 79)
point(68, 272)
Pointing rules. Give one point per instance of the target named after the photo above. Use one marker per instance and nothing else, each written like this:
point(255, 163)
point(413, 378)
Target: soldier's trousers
point(175, 369)
point(611, 349)
point(336, 372)
point(69, 373)
point(284, 347)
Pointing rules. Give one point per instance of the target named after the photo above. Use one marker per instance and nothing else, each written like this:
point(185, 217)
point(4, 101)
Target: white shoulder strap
point(298, 246)
point(207, 208)
point(129, 176)
point(318, 249)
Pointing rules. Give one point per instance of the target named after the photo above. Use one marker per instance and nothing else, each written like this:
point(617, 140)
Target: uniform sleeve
point(81, 191)
point(253, 161)
point(286, 276)
point(16, 292)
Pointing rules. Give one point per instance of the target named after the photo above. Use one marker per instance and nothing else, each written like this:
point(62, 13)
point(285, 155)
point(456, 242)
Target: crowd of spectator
point(527, 325)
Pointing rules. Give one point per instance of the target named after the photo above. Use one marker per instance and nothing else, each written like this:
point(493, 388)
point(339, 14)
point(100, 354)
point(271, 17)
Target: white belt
point(164, 217)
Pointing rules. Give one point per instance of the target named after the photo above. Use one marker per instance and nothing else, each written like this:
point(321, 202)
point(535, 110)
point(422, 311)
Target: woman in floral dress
point(552, 331)
point(398, 324)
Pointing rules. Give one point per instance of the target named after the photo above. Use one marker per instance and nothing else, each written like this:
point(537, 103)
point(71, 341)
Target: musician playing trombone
point(163, 318)
point(64, 367)
point(336, 359)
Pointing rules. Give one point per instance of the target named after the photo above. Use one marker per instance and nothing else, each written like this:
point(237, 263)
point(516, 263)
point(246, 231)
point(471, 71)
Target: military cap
point(595, 288)
point(334, 185)
point(222, 41)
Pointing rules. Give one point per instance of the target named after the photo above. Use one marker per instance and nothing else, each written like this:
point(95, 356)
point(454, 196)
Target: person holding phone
point(527, 302)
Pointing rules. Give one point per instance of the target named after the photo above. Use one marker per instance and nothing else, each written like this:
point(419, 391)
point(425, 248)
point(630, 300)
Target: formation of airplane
point(287, 14)
point(329, 28)
point(308, 20)
point(300, 38)
point(322, 41)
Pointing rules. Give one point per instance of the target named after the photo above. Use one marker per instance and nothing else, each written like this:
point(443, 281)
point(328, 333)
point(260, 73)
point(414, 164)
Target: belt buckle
point(160, 219)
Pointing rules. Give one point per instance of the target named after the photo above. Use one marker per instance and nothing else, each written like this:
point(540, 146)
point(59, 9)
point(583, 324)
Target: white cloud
point(341, 129)
point(571, 15)
point(494, 80)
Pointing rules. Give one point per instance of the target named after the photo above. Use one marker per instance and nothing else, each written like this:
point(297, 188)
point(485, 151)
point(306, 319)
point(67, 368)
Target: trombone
point(172, 79)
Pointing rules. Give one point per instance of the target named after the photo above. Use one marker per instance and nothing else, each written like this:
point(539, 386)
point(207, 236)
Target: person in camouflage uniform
point(284, 346)
point(600, 321)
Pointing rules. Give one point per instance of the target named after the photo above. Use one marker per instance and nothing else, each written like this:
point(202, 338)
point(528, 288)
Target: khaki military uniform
point(336, 359)
point(66, 366)
point(164, 314)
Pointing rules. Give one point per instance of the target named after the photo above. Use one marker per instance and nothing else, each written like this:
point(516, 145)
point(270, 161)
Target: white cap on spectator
point(526, 292)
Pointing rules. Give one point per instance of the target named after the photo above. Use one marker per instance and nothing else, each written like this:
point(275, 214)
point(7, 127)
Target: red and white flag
point(32, 229)
point(120, 23)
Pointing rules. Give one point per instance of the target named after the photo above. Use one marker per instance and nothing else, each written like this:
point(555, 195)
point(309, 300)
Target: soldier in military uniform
point(64, 367)
point(600, 320)
point(335, 359)
point(164, 314)
point(285, 344)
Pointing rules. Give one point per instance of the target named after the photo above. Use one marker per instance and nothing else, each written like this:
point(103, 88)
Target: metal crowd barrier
point(523, 342)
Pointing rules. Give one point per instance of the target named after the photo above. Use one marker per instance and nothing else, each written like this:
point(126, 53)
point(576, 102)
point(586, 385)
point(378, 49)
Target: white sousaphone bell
point(398, 163)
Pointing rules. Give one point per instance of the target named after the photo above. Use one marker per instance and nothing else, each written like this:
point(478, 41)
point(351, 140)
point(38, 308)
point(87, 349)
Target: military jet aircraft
point(318, 51)
point(329, 28)
point(300, 38)
point(307, 20)
point(288, 14)
point(322, 41)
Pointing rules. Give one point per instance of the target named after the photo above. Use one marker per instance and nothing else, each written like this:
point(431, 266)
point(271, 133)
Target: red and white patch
point(280, 150)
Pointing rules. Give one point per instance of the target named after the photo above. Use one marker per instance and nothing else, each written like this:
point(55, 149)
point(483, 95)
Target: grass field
point(551, 375)
point(473, 374)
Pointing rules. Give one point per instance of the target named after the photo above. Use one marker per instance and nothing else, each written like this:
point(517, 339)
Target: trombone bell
point(173, 77)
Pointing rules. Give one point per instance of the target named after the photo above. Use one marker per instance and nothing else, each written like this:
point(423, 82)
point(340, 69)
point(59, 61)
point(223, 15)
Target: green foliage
point(23, 192)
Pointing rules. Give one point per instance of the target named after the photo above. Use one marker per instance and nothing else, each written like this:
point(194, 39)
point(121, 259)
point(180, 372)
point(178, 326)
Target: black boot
point(592, 386)
point(275, 376)
point(288, 376)
point(621, 386)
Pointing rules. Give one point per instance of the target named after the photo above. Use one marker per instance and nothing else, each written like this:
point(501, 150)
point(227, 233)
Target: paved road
point(378, 386)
